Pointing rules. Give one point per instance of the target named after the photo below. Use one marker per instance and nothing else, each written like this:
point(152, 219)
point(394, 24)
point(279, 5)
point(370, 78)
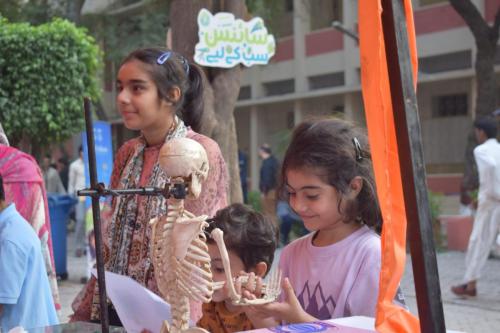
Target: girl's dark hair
point(337, 152)
point(251, 235)
point(176, 71)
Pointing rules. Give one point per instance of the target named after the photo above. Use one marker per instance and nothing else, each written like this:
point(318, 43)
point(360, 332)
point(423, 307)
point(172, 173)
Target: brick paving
point(480, 314)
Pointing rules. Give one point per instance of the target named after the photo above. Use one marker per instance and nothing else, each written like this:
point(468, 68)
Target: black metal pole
point(96, 213)
point(411, 159)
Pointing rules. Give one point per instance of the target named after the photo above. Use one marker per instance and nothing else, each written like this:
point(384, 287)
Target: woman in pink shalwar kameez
point(23, 184)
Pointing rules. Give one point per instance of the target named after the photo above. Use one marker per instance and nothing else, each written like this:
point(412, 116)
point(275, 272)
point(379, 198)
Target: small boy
point(25, 296)
point(251, 240)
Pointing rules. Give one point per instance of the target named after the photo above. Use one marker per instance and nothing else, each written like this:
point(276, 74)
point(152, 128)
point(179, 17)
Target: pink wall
point(284, 50)
point(323, 41)
point(437, 18)
point(446, 184)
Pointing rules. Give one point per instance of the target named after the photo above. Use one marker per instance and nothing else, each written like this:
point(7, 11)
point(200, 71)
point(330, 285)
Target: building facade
point(316, 71)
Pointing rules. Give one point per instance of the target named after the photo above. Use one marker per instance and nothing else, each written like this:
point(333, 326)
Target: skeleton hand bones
point(271, 290)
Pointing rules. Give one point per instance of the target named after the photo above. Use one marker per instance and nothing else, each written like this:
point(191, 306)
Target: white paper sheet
point(137, 307)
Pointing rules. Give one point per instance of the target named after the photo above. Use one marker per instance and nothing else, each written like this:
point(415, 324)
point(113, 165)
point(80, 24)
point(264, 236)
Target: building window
point(289, 5)
point(326, 80)
point(245, 93)
point(445, 62)
point(279, 87)
point(449, 105)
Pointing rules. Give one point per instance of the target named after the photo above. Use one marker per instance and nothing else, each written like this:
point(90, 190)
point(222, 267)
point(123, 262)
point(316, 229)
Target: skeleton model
point(180, 253)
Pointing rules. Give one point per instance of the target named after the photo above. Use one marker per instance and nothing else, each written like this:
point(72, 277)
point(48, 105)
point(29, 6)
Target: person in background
point(268, 181)
point(243, 163)
point(23, 185)
point(90, 236)
point(288, 218)
point(51, 178)
point(63, 168)
point(25, 298)
point(487, 218)
point(77, 182)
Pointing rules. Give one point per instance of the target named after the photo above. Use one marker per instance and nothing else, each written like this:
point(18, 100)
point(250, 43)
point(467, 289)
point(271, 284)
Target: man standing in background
point(77, 182)
point(487, 219)
point(243, 162)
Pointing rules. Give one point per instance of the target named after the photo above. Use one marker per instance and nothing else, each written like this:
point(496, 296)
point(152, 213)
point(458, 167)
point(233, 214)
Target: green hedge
point(45, 71)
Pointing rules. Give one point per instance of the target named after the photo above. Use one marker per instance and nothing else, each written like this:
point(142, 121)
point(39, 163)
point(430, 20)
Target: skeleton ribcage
point(181, 260)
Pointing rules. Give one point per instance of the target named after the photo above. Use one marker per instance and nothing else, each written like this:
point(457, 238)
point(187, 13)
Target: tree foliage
point(122, 34)
point(46, 71)
point(33, 11)
point(269, 11)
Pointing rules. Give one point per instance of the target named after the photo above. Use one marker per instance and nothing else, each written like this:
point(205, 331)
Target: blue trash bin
point(59, 209)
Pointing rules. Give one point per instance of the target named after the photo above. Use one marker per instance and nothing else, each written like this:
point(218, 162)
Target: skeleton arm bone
point(218, 236)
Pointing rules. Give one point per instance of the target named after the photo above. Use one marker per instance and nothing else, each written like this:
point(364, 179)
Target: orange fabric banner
point(383, 143)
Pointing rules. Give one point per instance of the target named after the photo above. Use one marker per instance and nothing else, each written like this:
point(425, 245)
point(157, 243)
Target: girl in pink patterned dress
point(160, 94)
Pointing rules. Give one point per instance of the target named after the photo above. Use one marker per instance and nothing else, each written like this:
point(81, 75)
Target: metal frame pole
point(411, 158)
point(96, 213)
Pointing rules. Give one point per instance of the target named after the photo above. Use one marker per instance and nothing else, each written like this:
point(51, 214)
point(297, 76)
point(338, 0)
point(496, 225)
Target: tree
point(222, 92)
point(121, 34)
point(486, 38)
point(46, 72)
point(40, 11)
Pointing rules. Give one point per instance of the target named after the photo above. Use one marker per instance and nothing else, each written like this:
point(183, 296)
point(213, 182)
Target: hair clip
point(357, 148)
point(185, 63)
point(163, 57)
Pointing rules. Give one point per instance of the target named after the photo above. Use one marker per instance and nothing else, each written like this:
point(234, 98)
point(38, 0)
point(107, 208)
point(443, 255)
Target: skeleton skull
point(187, 159)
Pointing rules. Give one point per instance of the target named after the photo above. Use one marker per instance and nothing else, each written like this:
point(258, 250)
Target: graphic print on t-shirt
point(315, 303)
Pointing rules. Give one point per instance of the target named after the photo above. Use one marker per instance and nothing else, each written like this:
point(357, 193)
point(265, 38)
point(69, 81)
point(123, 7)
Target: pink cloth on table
point(23, 184)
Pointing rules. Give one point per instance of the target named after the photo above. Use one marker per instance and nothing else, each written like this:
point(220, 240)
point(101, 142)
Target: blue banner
point(103, 154)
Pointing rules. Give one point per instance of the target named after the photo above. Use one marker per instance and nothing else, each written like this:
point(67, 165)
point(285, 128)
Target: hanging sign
point(226, 41)
point(103, 154)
